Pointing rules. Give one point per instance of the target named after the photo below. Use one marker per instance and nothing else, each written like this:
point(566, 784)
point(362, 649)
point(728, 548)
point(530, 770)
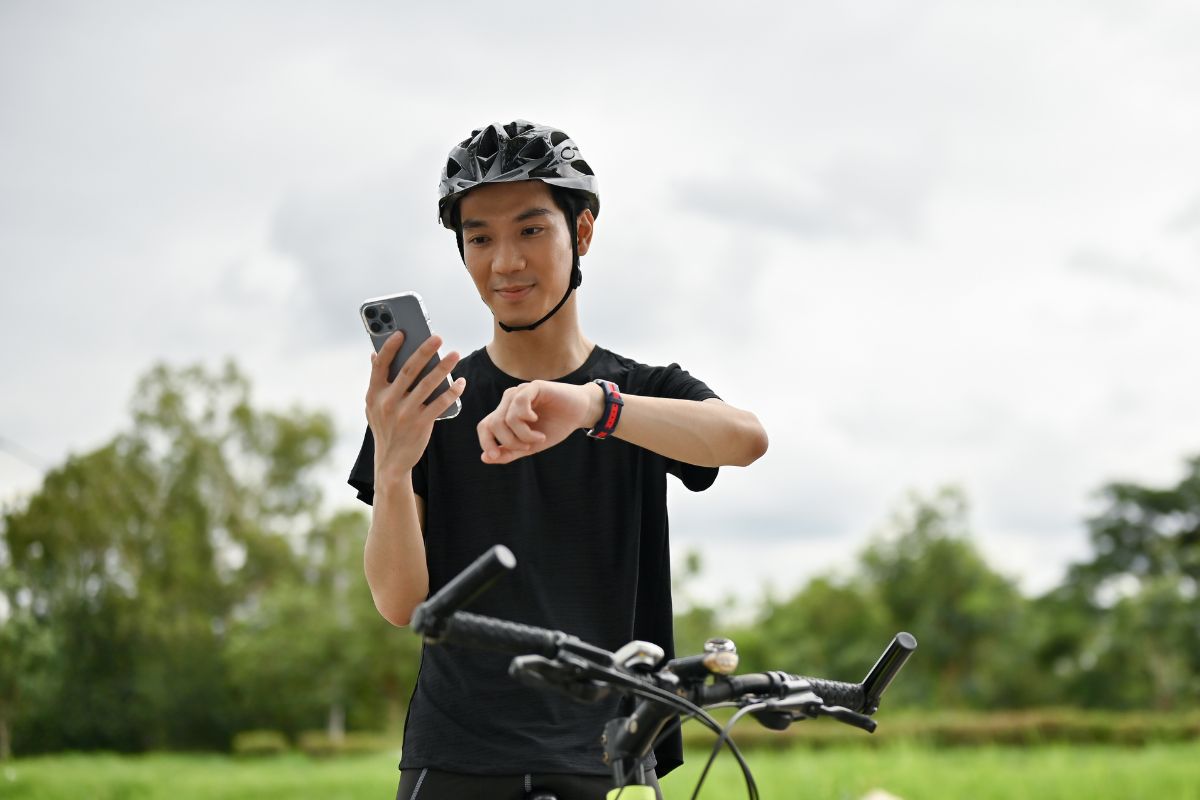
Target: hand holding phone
point(405, 312)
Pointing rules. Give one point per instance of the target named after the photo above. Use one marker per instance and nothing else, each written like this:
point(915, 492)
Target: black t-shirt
point(587, 521)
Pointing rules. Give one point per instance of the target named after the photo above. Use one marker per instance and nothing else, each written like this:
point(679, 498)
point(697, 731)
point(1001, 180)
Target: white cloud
point(852, 220)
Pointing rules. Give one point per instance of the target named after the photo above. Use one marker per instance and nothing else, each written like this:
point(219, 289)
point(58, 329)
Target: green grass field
point(1162, 772)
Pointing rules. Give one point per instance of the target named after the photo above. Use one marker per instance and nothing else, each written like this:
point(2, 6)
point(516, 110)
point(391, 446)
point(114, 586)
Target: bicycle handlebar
point(489, 633)
point(440, 620)
point(781, 685)
point(554, 659)
point(464, 587)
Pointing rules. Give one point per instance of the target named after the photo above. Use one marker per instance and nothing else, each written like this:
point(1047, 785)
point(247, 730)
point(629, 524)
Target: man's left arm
point(538, 415)
point(708, 433)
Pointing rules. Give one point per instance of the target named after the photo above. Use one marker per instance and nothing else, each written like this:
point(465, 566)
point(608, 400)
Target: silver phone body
point(408, 314)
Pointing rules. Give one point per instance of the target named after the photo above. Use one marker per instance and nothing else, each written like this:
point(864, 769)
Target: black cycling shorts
point(432, 784)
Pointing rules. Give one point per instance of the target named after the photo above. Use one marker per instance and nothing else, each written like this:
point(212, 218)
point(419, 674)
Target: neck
point(557, 348)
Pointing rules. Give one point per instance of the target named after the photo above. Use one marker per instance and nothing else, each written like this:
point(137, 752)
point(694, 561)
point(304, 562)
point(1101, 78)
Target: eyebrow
point(528, 213)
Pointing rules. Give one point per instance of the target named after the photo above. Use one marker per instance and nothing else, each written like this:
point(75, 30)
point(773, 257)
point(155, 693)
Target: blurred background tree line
point(181, 584)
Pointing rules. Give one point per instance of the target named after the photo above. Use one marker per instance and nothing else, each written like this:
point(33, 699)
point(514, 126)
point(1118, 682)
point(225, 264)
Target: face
point(517, 247)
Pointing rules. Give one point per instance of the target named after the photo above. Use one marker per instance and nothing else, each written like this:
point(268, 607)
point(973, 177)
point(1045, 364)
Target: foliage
point(1145, 532)
point(317, 640)
point(181, 583)
point(259, 743)
point(920, 574)
point(1123, 631)
point(136, 556)
point(319, 744)
point(1025, 728)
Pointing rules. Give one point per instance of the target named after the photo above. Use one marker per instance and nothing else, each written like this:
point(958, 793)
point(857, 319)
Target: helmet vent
point(511, 129)
point(582, 166)
point(533, 150)
point(489, 144)
point(557, 138)
point(452, 168)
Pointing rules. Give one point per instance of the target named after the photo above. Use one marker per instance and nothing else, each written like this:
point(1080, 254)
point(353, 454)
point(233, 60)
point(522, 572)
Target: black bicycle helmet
point(520, 151)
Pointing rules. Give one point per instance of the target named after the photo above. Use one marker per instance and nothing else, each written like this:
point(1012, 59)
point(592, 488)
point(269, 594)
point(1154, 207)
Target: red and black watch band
point(612, 410)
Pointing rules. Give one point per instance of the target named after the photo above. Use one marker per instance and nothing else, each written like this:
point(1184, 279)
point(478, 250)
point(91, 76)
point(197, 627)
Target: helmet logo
point(567, 153)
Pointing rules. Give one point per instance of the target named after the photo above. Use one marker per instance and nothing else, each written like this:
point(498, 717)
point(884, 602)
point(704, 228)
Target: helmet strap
point(576, 279)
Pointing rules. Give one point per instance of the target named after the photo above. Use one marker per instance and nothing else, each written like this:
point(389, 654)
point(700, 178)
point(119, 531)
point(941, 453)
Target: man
point(560, 452)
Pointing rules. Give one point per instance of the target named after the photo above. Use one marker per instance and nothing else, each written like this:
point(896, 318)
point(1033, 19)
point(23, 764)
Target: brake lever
point(565, 675)
point(778, 713)
point(842, 714)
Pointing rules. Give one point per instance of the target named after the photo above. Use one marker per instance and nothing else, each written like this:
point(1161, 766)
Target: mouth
point(514, 293)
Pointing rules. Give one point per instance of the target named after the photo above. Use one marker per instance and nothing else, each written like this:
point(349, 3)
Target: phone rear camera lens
point(386, 317)
point(376, 327)
point(370, 312)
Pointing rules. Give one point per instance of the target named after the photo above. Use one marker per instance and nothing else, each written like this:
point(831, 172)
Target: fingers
point(381, 360)
point(520, 415)
point(495, 436)
point(492, 432)
point(443, 402)
point(436, 377)
point(416, 362)
point(504, 456)
point(508, 433)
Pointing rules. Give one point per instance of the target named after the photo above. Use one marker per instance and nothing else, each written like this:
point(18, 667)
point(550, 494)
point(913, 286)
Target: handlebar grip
point(885, 669)
point(734, 687)
point(462, 589)
point(473, 630)
point(837, 693)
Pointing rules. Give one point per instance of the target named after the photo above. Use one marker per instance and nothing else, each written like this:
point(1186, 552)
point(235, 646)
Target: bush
point(260, 743)
point(1013, 728)
point(320, 744)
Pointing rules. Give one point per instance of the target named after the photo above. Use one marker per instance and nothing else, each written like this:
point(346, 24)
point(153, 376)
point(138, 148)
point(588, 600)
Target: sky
point(927, 243)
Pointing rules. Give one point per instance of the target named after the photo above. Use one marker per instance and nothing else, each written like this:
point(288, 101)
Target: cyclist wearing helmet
point(561, 452)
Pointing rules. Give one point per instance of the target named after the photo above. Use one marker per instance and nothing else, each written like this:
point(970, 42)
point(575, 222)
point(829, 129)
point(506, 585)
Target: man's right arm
point(401, 424)
point(394, 557)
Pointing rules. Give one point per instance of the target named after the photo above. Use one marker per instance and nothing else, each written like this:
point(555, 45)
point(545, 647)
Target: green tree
point(317, 639)
point(1124, 628)
point(831, 627)
point(1145, 532)
point(696, 621)
point(922, 574)
point(970, 621)
point(25, 650)
point(136, 555)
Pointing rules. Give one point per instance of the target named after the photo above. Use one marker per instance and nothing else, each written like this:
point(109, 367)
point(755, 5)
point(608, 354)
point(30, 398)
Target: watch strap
point(612, 410)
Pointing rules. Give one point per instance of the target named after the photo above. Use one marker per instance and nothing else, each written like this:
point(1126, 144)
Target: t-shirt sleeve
point(362, 474)
point(674, 382)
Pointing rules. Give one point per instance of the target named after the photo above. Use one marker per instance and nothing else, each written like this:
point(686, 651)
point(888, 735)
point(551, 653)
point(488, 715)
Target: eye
point(533, 230)
point(477, 240)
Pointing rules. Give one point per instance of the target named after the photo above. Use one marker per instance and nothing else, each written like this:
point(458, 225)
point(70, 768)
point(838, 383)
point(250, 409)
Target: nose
point(507, 257)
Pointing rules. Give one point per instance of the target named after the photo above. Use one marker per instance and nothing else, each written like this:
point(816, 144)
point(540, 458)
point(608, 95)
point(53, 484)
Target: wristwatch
point(612, 410)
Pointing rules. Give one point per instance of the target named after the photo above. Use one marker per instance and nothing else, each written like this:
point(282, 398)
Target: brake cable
point(722, 738)
point(634, 686)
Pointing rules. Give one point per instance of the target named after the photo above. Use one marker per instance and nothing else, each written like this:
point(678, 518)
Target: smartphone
point(383, 316)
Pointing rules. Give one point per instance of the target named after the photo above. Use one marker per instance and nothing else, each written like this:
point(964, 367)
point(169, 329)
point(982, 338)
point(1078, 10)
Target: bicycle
point(557, 661)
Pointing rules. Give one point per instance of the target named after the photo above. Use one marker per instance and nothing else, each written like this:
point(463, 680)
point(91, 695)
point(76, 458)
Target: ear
point(585, 225)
